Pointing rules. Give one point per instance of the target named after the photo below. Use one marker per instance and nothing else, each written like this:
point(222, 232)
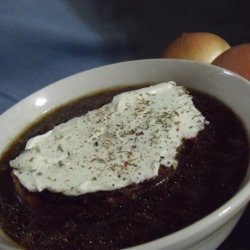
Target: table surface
point(44, 41)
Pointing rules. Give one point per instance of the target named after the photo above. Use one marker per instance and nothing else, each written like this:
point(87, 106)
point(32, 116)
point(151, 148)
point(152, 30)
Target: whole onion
point(199, 46)
point(236, 59)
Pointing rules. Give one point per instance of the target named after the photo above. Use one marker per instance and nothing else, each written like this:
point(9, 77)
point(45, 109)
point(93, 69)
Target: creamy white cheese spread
point(121, 143)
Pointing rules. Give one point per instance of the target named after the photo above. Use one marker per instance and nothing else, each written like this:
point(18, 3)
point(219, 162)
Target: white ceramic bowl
point(233, 90)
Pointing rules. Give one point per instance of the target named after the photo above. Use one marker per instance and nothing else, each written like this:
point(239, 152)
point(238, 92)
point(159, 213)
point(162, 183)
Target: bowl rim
point(218, 216)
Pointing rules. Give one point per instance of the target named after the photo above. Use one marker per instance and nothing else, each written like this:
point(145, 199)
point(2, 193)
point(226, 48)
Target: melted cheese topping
point(121, 143)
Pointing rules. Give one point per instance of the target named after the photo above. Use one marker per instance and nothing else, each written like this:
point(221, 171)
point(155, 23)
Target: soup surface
point(210, 170)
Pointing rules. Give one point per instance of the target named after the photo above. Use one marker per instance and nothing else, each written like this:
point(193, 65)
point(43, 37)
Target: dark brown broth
point(210, 171)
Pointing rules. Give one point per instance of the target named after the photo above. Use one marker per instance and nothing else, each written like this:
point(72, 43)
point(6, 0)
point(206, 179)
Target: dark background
point(42, 41)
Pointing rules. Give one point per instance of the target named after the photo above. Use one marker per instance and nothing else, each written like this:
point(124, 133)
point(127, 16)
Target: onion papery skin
point(198, 46)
